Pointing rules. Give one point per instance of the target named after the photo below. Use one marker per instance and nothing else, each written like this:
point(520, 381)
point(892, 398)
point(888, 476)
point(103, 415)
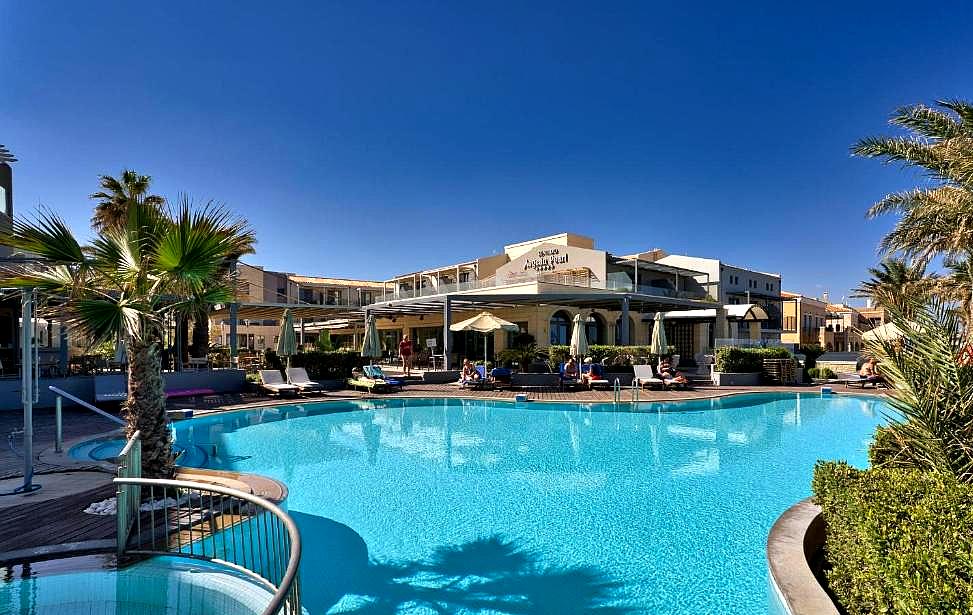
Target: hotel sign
point(548, 259)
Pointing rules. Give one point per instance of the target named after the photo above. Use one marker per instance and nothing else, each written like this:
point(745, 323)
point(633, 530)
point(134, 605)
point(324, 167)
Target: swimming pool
point(164, 585)
point(447, 505)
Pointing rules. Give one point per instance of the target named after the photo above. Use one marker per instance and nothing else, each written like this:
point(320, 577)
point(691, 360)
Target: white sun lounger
point(644, 376)
point(298, 377)
point(272, 382)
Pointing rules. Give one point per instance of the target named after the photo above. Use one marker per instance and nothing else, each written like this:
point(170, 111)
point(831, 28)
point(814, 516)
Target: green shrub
point(899, 540)
point(603, 353)
point(811, 353)
point(271, 360)
point(332, 365)
point(825, 373)
point(746, 360)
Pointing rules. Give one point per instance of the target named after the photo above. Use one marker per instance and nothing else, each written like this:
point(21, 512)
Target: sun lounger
point(501, 377)
point(272, 382)
point(645, 376)
point(850, 379)
point(375, 372)
point(298, 377)
point(477, 383)
point(598, 376)
point(359, 380)
point(567, 381)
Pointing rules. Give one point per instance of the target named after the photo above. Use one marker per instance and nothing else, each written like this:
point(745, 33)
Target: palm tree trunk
point(145, 409)
point(200, 335)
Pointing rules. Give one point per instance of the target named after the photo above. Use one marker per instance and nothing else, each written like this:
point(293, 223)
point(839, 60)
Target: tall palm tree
point(938, 219)
point(896, 282)
point(957, 286)
point(117, 194)
point(128, 282)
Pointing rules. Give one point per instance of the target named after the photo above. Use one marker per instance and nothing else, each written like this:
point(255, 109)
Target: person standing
point(405, 352)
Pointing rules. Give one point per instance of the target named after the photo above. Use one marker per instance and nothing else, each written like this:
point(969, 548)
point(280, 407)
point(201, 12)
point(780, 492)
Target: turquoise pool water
point(159, 586)
point(443, 506)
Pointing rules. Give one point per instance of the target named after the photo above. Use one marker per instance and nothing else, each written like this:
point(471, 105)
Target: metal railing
point(128, 498)
point(58, 425)
point(228, 527)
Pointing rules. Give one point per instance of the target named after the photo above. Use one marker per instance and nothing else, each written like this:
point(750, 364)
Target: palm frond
point(47, 236)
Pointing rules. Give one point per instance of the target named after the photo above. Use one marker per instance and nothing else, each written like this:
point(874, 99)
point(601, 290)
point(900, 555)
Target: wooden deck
point(56, 522)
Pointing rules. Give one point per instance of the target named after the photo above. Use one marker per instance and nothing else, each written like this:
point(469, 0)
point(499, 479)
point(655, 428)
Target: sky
point(367, 139)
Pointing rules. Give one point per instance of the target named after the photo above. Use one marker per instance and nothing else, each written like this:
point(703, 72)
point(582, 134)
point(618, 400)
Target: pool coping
point(795, 536)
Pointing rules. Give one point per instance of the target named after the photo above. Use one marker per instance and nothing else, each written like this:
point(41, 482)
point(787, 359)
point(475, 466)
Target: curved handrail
point(286, 597)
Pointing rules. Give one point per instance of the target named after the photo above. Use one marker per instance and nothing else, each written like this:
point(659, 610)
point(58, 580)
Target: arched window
point(560, 328)
point(595, 329)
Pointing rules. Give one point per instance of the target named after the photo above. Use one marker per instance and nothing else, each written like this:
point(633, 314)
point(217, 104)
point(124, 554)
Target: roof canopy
point(742, 311)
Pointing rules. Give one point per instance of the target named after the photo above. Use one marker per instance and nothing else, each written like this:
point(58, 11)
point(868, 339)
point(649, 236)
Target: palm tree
point(127, 282)
point(934, 220)
point(957, 286)
point(895, 283)
point(117, 195)
point(933, 382)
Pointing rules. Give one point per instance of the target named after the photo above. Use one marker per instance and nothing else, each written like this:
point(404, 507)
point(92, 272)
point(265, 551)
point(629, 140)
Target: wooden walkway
point(56, 522)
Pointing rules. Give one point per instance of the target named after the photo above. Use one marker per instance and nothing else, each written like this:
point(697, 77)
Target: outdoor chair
point(359, 380)
point(597, 378)
point(299, 378)
point(567, 381)
point(375, 371)
point(480, 383)
point(501, 377)
point(272, 382)
point(645, 376)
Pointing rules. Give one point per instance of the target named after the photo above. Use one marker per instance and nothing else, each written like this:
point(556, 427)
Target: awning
point(736, 311)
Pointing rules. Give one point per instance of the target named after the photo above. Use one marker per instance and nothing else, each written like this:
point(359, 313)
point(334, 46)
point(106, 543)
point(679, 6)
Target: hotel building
point(540, 285)
point(804, 318)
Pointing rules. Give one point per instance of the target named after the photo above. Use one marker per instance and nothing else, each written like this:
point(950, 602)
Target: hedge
point(898, 541)
point(600, 353)
point(328, 365)
point(731, 360)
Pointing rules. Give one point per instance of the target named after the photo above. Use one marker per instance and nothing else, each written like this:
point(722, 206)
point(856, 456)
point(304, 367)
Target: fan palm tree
point(934, 220)
point(117, 194)
point(896, 283)
point(127, 282)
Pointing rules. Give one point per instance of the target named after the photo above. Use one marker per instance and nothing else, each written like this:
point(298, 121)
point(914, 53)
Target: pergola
point(532, 294)
point(235, 312)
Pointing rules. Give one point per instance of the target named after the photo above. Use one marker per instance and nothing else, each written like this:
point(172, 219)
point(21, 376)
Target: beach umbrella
point(484, 323)
point(371, 347)
point(887, 332)
point(287, 339)
point(660, 345)
point(579, 340)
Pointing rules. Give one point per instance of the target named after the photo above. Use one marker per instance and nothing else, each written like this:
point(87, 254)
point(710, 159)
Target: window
point(281, 294)
point(333, 296)
point(560, 328)
point(464, 277)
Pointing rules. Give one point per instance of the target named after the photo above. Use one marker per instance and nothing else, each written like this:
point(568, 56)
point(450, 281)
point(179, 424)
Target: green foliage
point(333, 365)
point(899, 540)
point(823, 373)
point(933, 391)
point(811, 353)
point(746, 360)
point(601, 353)
point(272, 361)
point(323, 343)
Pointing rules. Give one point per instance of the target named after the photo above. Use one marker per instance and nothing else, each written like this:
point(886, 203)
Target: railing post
point(58, 430)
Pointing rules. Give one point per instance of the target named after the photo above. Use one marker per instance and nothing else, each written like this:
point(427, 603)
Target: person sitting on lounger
point(869, 372)
point(670, 375)
point(470, 373)
point(571, 369)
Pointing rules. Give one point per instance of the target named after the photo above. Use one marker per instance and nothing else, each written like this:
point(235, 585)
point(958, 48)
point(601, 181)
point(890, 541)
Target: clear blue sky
point(371, 139)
